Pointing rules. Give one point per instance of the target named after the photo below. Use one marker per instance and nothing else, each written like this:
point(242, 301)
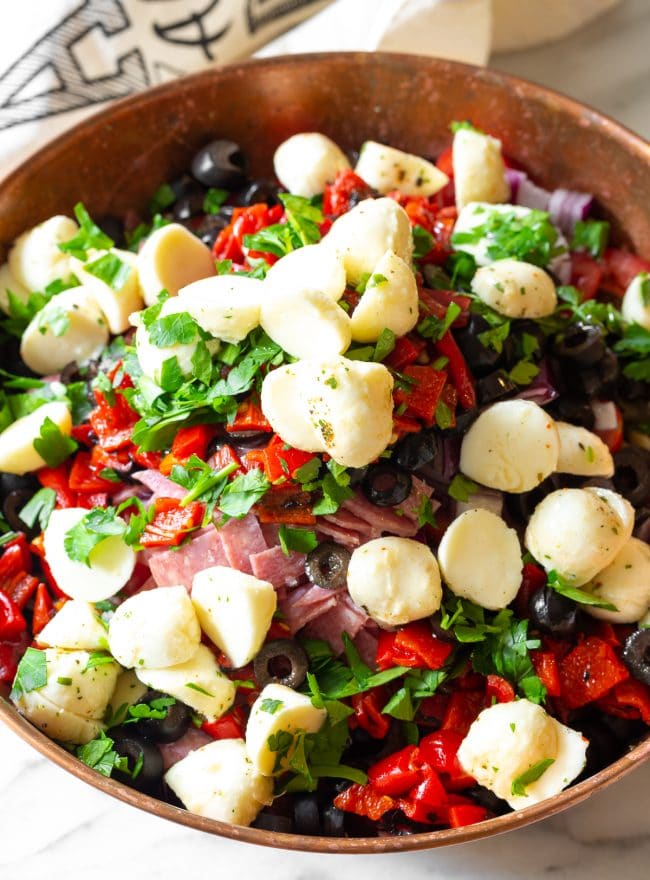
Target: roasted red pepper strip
point(589, 671)
point(249, 418)
point(57, 479)
point(425, 798)
point(16, 559)
point(12, 622)
point(85, 478)
point(413, 645)
point(192, 441)
point(367, 712)
point(397, 773)
point(347, 190)
point(462, 709)
point(466, 814)
point(545, 666)
point(533, 579)
point(43, 608)
point(230, 726)
point(171, 522)
point(460, 373)
point(498, 690)
point(20, 588)
point(363, 800)
point(440, 751)
point(11, 650)
point(406, 352)
point(628, 699)
point(422, 396)
point(281, 461)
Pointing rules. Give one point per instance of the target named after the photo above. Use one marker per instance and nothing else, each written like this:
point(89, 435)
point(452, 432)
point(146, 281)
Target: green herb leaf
point(464, 124)
point(163, 198)
point(101, 756)
point(242, 493)
point(110, 269)
point(89, 237)
point(384, 346)
point(434, 328)
point(422, 242)
point(299, 540)
point(39, 508)
point(94, 527)
point(271, 706)
point(461, 487)
point(97, 658)
point(53, 446)
point(529, 776)
point(179, 328)
point(523, 372)
point(31, 674)
point(582, 597)
point(531, 238)
point(590, 236)
point(214, 199)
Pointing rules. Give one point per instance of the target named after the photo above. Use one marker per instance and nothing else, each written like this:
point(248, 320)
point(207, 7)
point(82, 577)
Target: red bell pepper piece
point(621, 267)
point(146, 459)
point(462, 710)
point(445, 162)
point(586, 274)
point(57, 479)
point(281, 461)
point(466, 814)
point(84, 478)
point(12, 622)
point(363, 800)
point(230, 726)
point(545, 666)
point(43, 608)
point(444, 298)
point(367, 712)
point(113, 424)
point(628, 699)
point(422, 396)
point(346, 188)
point(249, 418)
point(406, 352)
point(16, 559)
point(224, 456)
point(425, 798)
point(589, 671)
point(11, 650)
point(403, 425)
point(413, 645)
point(192, 441)
point(439, 750)
point(498, 690)
point(396, 773)
point(460, 373)
point(171, 522)
point(20, 588)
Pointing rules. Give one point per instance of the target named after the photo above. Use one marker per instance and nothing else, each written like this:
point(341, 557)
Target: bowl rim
point(339, 845)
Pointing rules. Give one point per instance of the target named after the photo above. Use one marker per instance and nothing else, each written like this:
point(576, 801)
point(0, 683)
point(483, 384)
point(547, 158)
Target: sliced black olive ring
point(281, 661)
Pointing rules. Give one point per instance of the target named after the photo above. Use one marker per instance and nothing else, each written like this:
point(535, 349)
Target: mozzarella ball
point(516, 289)
point(111, 561)
point(636, 301)
point(477, 213)
point(306, 323)
point(577, 533)
point(198, 682)
point(152, 357)
point(234, 609)
point(390, 301)
point(156, 628)
point(625, 583)
point(70, 327)
point(507, 739)
point(386, 168)
point(35, 259)
point(226, 306)
point(582, 452)
point(312, 266)
point(118, 302)
point(363, 235)
point(512, 446)
point(56, 722)
point(396, 580)
point(17, 453)
point(278, 708)
point(219, 781)
point(172, 258)
point(480, 559)
point(75, 626)
point(8, 282)
point(479, 171)
point(305, 163)
point(341, 407)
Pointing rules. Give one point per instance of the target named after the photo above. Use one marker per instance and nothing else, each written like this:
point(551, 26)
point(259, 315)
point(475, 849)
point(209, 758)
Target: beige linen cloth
point(64, 59)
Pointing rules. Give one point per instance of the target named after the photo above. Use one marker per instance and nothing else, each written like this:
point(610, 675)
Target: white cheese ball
point(479, 170)
point(17, 453)
point(625, 583)
point(219, 781)
point(70, 327)
point(111, 561)
point(172, 257)
point(578, 532)
point(516, 289)
point(115, 303)
point(582, 452)
point(512, 446)
point(234, 609)
point(75, 626)
point(306, 323)
point(480, 559)
point(278, 708)
point(386, 169)
point(226, 306)
point(55, 722)
point(35, 259)
point(507, 739)
point(363, 235)
point(156, 628)
point(8, 282)
point(305, 163)
point(390, 301)
point(312, 266)
point(636, 301)
point(341, 407)
point(199, 682)
point(396, 580)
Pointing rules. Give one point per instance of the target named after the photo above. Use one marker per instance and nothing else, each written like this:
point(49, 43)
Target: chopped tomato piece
point(621, 268)
point(589, 671)
point(586, 274)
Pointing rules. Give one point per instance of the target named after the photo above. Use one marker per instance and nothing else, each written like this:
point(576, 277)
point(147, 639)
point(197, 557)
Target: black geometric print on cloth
point(261, 12)
point(193, 30)
point(54, 54)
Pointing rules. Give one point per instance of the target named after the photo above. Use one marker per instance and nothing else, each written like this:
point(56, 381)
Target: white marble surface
point(52, 826)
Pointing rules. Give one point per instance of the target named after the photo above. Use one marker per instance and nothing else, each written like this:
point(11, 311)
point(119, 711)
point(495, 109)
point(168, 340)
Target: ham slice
point(343, 616)
point(306, 603)
point(172, 567)
point(382, 519)
point(275, 566)
point(347, 537)
point(419, 492)
point(174, 752)
point(159, 485)
point(241, 538)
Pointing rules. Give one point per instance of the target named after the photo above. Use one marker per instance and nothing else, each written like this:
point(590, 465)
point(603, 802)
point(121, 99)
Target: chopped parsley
point(93, 528)
point(461, 487)
point(530, 237)
point(89, 236)
point(31, 674)
point(271, 706)
point(39, 508)
point(521, 782)
point(110, 269)
point(214, 199)
point(52, 445)
point(435, 328)
point(557, 583)
point(299, 540)
point(590, 236)
point(100, 754)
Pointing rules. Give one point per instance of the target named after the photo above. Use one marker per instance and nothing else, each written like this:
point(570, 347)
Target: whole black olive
point(486, 798)
point(113, 227)
point(598, 379)
point(631, 389)
point(552, 613)
point(494, 386)
point(604, 747)
point(636, 654)
point(220, 163)
point(306, 816)
point(333, 822)
point(12, 482)
point(281, 661)
point(189, 206)
point(632, 475)
point(574, 408)
point(273, 822)
point(386, 485)
point(11, 507)
point(356, 475)
point(415, 450)
point(582, 343)
point(175, 723)
point(144, 759)
point(247, 439)
point(480, 359)
point(210, 227)
point(260, 191)
point(521, 505)
point(326, 566)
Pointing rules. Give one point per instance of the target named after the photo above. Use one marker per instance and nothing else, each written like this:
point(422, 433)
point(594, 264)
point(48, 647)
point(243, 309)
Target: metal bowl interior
point(116, 159)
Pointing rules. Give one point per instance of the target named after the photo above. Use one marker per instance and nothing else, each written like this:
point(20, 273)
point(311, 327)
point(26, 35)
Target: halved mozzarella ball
point(512, 446)
point(56, 722)
point(625, 583)
point(278, 709)
point(478, 213)
point(305, 163)
point(508, 739)
point(234, 609)
point(219, 781)
point(226, 306)
point(116, 303)
point(172, 258)
point(155, 628)
point(152, 357)
point(111, 561)
point(636, 301)
point(363, 235)
point(336, 406)
point(35, 259)
point(312, 266)
point(516, 289)
point(17, 453)
point(129, 690)
point(396, 580)
point(386, 168)
point(582, 452)
point(480, 559)
point(577, 533)
point(75, 626)
point(306, 323)
point(71, 327)
point(199, 682)
point(389, 302)
point(479, 171)
point(8, 282)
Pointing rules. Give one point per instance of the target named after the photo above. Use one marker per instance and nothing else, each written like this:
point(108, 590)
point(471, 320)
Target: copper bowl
point(115, 160)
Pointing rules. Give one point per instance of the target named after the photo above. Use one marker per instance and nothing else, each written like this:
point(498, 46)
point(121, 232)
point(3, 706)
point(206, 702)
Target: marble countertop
point(54, 826)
